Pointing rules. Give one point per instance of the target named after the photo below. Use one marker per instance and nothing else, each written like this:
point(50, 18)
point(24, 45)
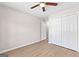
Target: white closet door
point(78, 31)
point(56, 31)
point(69, 31)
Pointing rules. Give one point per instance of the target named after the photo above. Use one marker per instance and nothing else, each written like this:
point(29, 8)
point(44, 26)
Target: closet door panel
point(52, 31)
point(78, 31)
point(69, 31)
point(65, 34)
point(56, 31)
point(75, 33)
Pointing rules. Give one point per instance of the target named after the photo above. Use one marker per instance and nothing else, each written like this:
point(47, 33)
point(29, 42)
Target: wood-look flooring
point(42, 49)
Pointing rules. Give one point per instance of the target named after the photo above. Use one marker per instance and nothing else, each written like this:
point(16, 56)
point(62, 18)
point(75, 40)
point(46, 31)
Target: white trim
point(44, 38)
point(18, 47)
point(50, 42)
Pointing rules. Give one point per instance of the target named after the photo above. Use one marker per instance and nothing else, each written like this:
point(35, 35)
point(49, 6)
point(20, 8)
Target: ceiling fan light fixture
point(42, 4)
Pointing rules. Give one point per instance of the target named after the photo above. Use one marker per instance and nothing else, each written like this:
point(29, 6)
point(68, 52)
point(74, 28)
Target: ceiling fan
point(43, 4)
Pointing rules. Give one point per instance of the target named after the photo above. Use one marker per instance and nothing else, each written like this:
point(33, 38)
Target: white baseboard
point(17, 47)
point(44, 38)
point(49, 42)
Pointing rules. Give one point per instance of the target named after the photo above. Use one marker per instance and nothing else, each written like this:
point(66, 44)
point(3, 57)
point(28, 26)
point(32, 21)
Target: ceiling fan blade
point(43, 8)
point(34, 6)
point(51, 4)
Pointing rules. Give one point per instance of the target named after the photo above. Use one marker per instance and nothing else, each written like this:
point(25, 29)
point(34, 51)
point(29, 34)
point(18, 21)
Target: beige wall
point(17, 29)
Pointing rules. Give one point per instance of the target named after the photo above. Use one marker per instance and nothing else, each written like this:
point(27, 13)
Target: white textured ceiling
point(25, 7)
